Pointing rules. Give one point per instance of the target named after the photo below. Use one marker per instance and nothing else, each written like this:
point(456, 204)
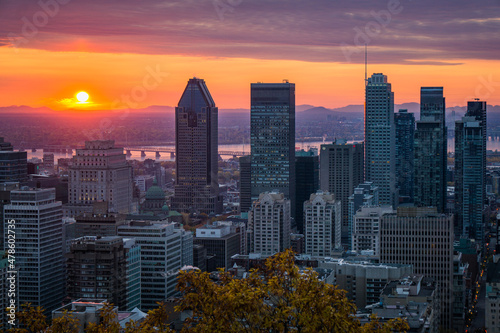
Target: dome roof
point(165, 209)
point(155, 193)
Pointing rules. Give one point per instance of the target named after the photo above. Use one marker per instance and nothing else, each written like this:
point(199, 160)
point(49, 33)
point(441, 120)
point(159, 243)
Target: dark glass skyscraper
point(380, 150)
point(405, 130)
point(306, 182)
point(13, 164)
point(272, 138)
point(431, 150)
point(245, 183)
point(470, 171)
point(196, 149)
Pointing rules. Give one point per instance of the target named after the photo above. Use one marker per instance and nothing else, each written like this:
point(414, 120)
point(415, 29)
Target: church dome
point(155, 193)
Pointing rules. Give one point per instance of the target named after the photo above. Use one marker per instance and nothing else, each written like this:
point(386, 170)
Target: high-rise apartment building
point(196, 151)
point(306, 182)
point(97, 268)
point(470, 172)
point(341, 171)
point(380, 148)
point(39, 246)
point(366, 228)
point(431, 150)
point(99, 172)
point(162, 255)
point(405, 131)
point(269, 223)
point(13, 164)
point(422, 237)
point(322, 224)
point(365, 194)
point(272, 139)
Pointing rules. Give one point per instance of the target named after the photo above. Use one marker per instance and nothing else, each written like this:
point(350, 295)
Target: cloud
point(418, 32)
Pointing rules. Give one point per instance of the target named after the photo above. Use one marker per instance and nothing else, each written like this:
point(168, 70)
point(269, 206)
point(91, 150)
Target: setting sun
point(82, 96)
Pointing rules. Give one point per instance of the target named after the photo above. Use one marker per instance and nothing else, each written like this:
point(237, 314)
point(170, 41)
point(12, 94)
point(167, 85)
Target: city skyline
point(57, 50)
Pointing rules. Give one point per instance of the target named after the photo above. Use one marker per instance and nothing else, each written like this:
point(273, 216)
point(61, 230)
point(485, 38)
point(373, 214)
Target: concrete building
point(414, 298)
point(161, 259)
point(470, 172)
point(405, 131)
point(380, 133)
point(97, 268)
point(196, 151)
point(322, 229)
point(431, 150)
point(306, 182)
point(365, 194)
point(87, 311)
point(272, 139)
point(220, 242)
point(362, 280)
point(4, 290)
point(341, 170)
point(366, 228)
point(460, 274)
point(100, 222)
point(421, 237)
point(269, 224)
point(99, 172)
point(39, 246)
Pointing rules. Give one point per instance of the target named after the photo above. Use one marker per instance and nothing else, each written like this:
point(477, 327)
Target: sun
point(82, 97)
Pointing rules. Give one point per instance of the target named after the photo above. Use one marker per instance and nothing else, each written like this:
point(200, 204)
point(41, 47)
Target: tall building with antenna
point(380, 148)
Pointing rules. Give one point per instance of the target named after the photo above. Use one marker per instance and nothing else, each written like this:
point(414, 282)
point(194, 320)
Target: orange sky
point(46, 78)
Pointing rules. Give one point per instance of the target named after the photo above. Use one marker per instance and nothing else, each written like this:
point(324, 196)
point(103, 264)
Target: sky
point(136, 53)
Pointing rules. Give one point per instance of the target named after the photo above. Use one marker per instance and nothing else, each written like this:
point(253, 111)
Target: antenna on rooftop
point(366, 64)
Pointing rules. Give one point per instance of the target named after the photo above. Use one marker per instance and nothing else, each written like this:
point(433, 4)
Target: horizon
point(123, 54)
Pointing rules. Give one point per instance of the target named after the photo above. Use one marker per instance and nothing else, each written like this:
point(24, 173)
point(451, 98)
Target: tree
point(277, 298)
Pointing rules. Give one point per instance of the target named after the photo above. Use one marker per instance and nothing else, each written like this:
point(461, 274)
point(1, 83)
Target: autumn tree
point(277, 298)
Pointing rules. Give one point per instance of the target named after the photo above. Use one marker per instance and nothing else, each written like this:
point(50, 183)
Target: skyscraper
point(470, 171)
point(405, 131)
point(39, 246)
point(322, 224)
point(431, 150)
point(421, 237)
point(306, 182)
point(341, 171)
point(272, 139)
point(380, 149)
point(196, 151)
point(99, 172)
point(269, 224)
point(13, 164)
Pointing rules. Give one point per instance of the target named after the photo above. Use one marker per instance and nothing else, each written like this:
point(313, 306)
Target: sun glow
point(82, 97)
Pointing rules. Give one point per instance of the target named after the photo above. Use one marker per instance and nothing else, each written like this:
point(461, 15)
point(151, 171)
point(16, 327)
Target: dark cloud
point(416, 32)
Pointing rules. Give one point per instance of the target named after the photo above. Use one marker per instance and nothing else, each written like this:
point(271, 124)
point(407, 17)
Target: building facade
point(39, 246)
point(405, 131)
point(272, 139)
point(365, 194)
point(366, 228)
point(245, 183)
point(341, 170)
point(380, 148)
point(269, 223)
point(220, 242)
point(306, 182)
point(196, 151)
point(322, 215)
point(13, 164)
point(470, 172)
point(431, 150)
point(421, 237)
point(99, 172)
